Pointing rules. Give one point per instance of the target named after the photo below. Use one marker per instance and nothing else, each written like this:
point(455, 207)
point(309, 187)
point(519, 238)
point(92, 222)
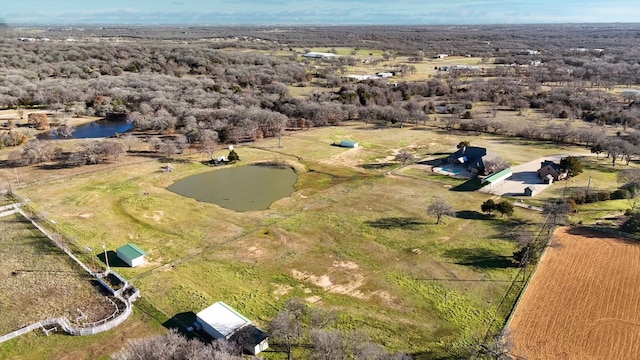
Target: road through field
point(583, 301)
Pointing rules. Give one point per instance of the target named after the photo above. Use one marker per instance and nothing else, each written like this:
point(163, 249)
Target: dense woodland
point(226, 85)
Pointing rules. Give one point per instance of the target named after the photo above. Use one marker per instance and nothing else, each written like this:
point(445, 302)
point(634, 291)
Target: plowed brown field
point(583, 301)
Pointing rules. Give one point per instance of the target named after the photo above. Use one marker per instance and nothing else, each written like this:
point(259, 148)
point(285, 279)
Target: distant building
point(440, 56)
point(221, 321)
point(362, 77)
point(131, 254)
point(319, 55)
point(349, 143)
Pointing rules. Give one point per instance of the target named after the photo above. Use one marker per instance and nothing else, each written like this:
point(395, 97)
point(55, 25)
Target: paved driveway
point(523, 176)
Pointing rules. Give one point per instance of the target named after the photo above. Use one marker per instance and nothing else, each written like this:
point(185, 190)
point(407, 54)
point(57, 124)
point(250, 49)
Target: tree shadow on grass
point(377, 166)
point(470, 185)
point(480, 258)
point(472, 215)
point(408, 223)
point(505, 226)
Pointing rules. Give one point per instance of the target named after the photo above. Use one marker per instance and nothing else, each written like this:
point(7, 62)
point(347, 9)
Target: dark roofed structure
point(470, 156)
point(549, 168)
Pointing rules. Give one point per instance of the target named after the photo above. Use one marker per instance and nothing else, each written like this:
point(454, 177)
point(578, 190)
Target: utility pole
point(106, 258)
point(17, 178)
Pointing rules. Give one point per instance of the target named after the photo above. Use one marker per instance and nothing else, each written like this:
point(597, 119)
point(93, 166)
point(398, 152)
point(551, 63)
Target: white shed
point(221, 321)
point(131, 254)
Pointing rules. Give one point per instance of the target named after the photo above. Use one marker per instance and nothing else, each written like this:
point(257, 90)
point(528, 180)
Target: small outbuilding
point(495, 179)
point(221, 321)
point(530, 191)
point(131, 254)
point(349, 143)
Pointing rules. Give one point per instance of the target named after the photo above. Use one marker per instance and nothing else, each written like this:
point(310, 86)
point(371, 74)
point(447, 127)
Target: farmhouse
point(349, 143)
point(221, 321)
point(131, 254)
point(319, 55)
point(470, 156)
point(551, 171)
point(440, 56)
point(362, 77)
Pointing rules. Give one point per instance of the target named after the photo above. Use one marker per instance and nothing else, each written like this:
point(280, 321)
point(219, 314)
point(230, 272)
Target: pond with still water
point(96, 129)
point(243, 188)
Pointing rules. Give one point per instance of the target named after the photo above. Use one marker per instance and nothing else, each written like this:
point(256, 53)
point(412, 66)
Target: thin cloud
point(382, 12)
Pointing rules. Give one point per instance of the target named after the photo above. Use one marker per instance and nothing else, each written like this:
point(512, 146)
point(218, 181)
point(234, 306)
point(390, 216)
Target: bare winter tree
point(287, 328)
point(494, 165)
point(439, 208)
point(403, 156)
point(130, 141)
point(630, 179)
point(177, 347)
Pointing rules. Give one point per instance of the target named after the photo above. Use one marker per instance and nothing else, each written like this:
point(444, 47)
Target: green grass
point(411, 284)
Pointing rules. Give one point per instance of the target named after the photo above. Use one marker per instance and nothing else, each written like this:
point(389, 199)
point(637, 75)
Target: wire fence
point(116, 318)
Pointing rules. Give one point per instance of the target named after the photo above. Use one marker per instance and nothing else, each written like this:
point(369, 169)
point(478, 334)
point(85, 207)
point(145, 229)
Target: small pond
point(96, 129)
point(243, 188)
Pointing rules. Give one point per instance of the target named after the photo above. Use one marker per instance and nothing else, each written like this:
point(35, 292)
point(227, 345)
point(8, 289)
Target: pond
point(96, 129)
point(244, 188)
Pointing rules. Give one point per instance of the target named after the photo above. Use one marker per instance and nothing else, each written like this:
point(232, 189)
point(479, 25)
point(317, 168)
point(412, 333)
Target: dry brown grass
point(582, 302)
point(37, 280)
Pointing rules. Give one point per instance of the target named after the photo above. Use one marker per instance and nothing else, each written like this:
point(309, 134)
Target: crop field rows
point(582, 302)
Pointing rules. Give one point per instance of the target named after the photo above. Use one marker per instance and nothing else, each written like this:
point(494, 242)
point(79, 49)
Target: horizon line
point(38, 24)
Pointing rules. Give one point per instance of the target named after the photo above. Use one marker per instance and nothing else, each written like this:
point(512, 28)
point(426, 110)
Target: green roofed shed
point(349, 143)
point(497, 178)
point(131, 254)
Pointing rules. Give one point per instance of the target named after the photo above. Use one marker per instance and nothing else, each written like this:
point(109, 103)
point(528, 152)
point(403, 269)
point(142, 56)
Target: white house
point(221, 321)
point(131, 254)
point(440, 56)
point(318, 55)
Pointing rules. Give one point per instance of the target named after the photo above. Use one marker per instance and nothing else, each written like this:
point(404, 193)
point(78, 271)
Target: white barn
point(131, 254)
point(318, 55)
point(221, 321)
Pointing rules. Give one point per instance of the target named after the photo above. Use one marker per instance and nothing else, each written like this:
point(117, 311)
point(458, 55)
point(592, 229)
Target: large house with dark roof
point(471, 156)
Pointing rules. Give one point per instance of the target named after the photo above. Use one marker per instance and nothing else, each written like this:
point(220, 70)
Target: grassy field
point(350, 239)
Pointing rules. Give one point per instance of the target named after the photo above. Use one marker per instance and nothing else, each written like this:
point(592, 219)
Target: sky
point(316, 12)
